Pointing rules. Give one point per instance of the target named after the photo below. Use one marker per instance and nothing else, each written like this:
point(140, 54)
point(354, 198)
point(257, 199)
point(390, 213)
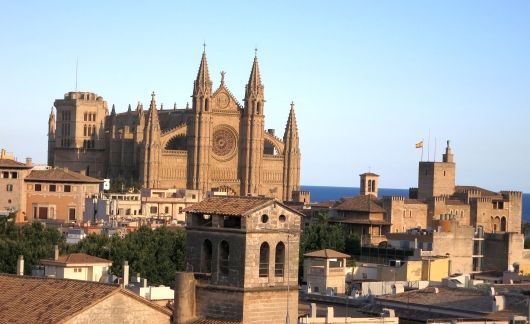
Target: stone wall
point(264, 307)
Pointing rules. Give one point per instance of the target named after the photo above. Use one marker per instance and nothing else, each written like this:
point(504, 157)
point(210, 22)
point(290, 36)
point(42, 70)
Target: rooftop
point(326, 254)
point(483, 192)
point(231, 205)
point(9, 163)
point(365, 203)
point(76, 259)
point(60, 175)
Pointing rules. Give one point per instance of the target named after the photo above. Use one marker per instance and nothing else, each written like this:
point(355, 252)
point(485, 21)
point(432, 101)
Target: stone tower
point(369, 184)
point(291, 162)
point(437, 178)
point(51, 138)
point(151, 148)
point(79, 133)
point(242, 258)
point(252, 126)
point(199, 130)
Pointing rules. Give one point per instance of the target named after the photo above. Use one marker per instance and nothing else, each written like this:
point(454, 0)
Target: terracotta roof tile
point(369, 174)
point(8, 163)
point(356, 220)
point(365, 203)
point(229, 205)
point(76, 258)
point(44, 300)
point(326, 254)
point(60, 175)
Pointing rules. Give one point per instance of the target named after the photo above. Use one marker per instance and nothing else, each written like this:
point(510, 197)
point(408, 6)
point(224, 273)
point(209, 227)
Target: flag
point(419, 144)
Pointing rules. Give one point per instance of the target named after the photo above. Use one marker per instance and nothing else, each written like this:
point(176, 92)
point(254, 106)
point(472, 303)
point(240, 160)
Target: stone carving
point(224, 141)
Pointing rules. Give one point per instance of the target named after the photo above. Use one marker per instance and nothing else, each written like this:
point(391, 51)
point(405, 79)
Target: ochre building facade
point(216, 144)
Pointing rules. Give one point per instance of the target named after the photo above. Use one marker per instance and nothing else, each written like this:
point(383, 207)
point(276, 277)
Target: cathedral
point(218, 144)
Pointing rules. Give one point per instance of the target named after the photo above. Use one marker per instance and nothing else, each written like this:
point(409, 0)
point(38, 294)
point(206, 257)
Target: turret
point(199, 132)
point(151, 148)
point(202, 87)
point(254, 91)
point(291, 165)
point(448, 156)
point(51, 137)
point(253, 129)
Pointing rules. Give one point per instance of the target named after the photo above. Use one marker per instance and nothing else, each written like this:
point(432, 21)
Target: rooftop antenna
point(434, 149)
point(76, 68)
point(429, 146)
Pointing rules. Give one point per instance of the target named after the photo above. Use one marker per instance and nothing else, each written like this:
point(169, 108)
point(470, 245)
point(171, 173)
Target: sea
point(321, 193)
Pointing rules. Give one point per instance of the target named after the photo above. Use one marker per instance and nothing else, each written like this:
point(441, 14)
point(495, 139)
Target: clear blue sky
point(369, 78)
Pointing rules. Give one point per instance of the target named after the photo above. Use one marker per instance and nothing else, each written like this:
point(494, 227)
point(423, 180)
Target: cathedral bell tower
point(199, 130)
point(252, 127)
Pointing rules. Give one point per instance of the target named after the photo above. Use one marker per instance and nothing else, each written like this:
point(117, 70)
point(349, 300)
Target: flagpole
point(434, 157)
point(429, 146)
point(421, 150)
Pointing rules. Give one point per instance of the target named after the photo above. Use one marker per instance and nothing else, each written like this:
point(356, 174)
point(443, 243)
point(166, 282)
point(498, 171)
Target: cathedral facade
point(217, 144)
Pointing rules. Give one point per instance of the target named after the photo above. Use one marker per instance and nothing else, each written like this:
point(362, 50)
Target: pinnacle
point(203, 82)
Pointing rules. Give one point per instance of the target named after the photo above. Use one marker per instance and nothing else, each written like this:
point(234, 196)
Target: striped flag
point(419, 144)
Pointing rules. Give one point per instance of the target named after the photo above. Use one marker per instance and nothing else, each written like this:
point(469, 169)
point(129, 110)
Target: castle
point(217, 144)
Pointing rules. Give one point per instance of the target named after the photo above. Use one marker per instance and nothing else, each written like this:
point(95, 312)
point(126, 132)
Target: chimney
point(56, 252)
point(29, 162)
point(20, 265)
point(125, 273)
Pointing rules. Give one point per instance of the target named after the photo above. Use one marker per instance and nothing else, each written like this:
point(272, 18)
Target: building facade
point(242, 259)
point(216, 144)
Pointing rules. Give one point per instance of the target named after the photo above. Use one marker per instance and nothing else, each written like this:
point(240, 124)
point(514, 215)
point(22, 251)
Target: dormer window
point(264, 218)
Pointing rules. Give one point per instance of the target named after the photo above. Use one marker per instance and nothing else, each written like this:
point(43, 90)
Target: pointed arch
point(503, 224)
point(224, 258)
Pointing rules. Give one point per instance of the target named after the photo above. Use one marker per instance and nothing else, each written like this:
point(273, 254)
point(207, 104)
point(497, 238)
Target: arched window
point(258, 110)
point(224, 256)
point(206, 256)
point(503, 224)
point(279, 259)
point(84, 131)
point(369, 186)
point(264, 260)
point(496, 224)
point(373, 185)
point(207, 105)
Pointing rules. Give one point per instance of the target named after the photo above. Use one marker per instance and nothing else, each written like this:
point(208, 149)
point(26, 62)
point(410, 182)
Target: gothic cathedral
point(217, 144)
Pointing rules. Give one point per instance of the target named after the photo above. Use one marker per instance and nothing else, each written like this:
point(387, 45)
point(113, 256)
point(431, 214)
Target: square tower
point(369, 184)
point(437, 178)
point(243, 253)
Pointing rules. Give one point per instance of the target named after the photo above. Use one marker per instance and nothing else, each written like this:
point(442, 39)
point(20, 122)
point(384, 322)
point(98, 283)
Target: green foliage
point(121, 185)
point(155, 254)
point(34, 241)
point(325, 235)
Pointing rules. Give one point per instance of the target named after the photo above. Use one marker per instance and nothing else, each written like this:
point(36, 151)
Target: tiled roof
point(326, 254)
point(76, 258)
point(229, 205)
point(365, 203)
point(26, 299)
point(8, 163)
point(60, 175)
point(483, 192)
point(370, 174)
point(44, 300)
point(356, 220)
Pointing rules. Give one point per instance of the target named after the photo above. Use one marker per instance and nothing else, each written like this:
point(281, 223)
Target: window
point(38, 187)
point(14, 175)
point(282, 218)
point(206, 257)
point(264, 260)
point(9, 187)
point(53, 188)
point(180, 210)
point(279, 259)
point(5, 175)
point(503, 224)
point(71, 214)
point(264, 218)
point(224, 256)
point(43, 212)
point(167, 210)
point(153, 209)
point(67, 188)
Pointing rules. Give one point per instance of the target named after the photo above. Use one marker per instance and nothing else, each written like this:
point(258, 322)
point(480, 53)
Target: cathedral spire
point(153, 125)
point(113, 111)
point(203, 85)
point(51, 123)
point(291, 129)
point(254, 86)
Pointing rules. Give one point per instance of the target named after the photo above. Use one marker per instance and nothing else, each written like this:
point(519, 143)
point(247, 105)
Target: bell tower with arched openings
point(369, 184)
point(242, 261)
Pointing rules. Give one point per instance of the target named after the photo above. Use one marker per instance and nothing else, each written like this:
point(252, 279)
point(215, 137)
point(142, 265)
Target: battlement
point(394, 198)
point(483, 199)
point(440, 198)
point(77, 95)
point(510, 194)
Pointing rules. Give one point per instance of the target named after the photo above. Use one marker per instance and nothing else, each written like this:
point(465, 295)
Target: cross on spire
point(223, 77)
point(255, 52)
point(204, 46)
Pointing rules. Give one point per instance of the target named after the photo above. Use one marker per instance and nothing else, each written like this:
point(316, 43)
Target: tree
point(34, 241)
